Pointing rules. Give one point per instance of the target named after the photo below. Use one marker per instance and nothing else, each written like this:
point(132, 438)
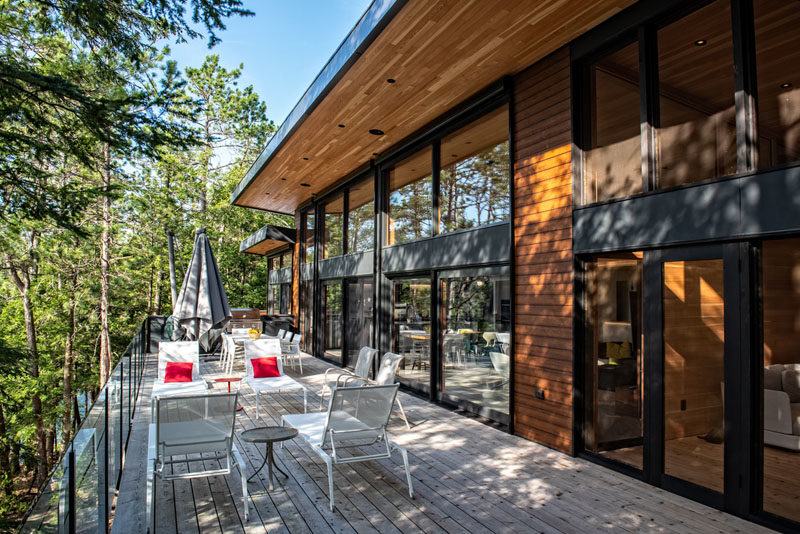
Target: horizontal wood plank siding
point(543, 253)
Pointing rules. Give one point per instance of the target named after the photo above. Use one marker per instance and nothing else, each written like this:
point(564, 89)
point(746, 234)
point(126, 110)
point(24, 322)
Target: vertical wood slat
point(543, 229)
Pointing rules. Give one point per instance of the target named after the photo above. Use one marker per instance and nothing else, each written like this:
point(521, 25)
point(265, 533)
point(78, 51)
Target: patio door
point(358, 317)
point(693, 371)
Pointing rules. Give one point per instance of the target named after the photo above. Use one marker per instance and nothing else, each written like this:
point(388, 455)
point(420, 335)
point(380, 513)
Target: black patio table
point(269, 435)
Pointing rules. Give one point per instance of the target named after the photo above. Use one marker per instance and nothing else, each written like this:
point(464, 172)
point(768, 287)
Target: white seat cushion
point(309, 425)
point(278, 383)
point(171, 389)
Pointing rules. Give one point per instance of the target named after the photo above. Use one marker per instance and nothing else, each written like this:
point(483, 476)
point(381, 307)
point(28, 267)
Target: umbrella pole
point(173, 282)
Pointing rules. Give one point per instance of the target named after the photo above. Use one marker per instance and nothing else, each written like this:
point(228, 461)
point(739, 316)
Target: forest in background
point(105, 144)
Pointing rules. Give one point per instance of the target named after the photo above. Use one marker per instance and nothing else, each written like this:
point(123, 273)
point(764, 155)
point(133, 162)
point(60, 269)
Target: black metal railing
point(78, 495)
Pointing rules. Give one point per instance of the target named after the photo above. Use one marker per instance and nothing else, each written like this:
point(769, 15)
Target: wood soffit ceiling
point(439, 54)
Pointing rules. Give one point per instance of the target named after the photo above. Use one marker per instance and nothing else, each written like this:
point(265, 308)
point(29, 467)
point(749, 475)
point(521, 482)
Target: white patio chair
point(234, 348)
point(281, 333)
point(334, 374)
point(261, 348)
point(291, 352)
point(356, 417)
point(387, 371)
point(504, 340)
point(178, 351)
point(502, 365)
point(187, 426)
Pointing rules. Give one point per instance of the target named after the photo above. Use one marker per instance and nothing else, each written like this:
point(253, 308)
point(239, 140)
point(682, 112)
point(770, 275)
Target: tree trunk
point(5, 453)
point(69, 358)
point(20, 275)
point(105, 270)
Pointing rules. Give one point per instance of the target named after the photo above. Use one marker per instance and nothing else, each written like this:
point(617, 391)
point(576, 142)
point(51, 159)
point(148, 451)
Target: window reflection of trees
point(474, 191)
point(412, 209)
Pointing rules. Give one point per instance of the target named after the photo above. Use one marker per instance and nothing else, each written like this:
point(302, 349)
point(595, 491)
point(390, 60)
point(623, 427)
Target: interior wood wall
point(694, 330)
point(543, 252)
point(780, 265)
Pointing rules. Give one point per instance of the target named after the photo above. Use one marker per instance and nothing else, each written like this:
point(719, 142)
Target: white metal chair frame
point(291, 352)
point(363, 366)
point(259, 348)
point(387, 372)
point(372, 434)
point(178, 351)
point(157, 458)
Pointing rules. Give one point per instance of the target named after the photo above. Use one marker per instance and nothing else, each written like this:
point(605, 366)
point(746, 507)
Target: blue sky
point(283, 47)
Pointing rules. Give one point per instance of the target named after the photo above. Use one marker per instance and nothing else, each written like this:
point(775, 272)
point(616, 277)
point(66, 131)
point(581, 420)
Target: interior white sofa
point(782, 406)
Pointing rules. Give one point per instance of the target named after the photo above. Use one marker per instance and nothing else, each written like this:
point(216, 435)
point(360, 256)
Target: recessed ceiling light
point(305, 159)
point(283, 179)
point(341, 126)
point(374, 153)
point(390, 80)
point(786, 85)
point(453, 155)
point(700, 42)
point(305, 185)
point(267, 194)
point(375, 131)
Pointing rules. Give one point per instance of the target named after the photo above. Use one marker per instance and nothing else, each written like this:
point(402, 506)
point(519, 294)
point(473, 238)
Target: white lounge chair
point(178, 351)
point(387, 371)
point(334, 375)
point(187, 426)
point(260, 348)
point(356, 417)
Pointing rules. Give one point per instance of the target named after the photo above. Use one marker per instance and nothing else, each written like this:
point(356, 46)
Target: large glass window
point(286, 259)
point(332, 238)
point(475, 339)
point(781, 308)
point(613, 338)
point(359, 324)
point(411, 330)
point(474, 174)
point(273, 306)
point(613, 159)
point(778, 65)
point(332, 320)
point(410, 199)
point(309, 241)
point(697, 136)
point(361, 217)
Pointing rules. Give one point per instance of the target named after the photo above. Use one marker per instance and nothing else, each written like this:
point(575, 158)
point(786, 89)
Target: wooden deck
point(468, 477)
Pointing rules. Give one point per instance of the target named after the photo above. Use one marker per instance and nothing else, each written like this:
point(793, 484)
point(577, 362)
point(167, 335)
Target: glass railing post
point(106, 507)
point(121, 420)
point(71, 504)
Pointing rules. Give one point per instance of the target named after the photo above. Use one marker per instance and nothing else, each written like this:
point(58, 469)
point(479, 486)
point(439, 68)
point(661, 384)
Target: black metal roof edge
point(271, 232)
point(368, 27)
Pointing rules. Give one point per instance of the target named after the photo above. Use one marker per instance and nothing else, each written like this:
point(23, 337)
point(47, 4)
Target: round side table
point(269, 435)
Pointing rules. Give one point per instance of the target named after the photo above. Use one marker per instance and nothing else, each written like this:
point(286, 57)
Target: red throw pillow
point(265, 367)
point(178, 372)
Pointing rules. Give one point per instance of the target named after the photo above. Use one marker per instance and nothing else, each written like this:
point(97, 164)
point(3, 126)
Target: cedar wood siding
point(296, 270)
point(542, 230)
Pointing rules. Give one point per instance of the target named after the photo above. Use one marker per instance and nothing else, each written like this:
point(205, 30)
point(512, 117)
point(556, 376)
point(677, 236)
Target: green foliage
point(86, 100)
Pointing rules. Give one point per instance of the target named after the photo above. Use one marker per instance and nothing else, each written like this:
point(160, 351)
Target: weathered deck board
point(468, 477)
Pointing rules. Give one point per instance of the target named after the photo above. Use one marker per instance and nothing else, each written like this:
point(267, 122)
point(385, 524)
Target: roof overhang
point(268, 239)
point(438, 54)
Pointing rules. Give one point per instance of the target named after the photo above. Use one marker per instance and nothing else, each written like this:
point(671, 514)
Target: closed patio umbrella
point(202, 308)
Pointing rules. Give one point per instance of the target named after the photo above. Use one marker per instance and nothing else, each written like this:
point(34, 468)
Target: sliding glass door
point(359, 323)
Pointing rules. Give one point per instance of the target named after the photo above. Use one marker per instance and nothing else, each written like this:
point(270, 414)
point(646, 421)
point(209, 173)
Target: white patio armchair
point(334, 375)
point(261, 348)
point(291, 352)
point(356, 417)
point(178, 351)
point(183, 429)
point(387, 372)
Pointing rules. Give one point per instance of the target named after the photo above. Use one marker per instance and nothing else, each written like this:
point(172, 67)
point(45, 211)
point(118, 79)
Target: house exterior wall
point(542, 229)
